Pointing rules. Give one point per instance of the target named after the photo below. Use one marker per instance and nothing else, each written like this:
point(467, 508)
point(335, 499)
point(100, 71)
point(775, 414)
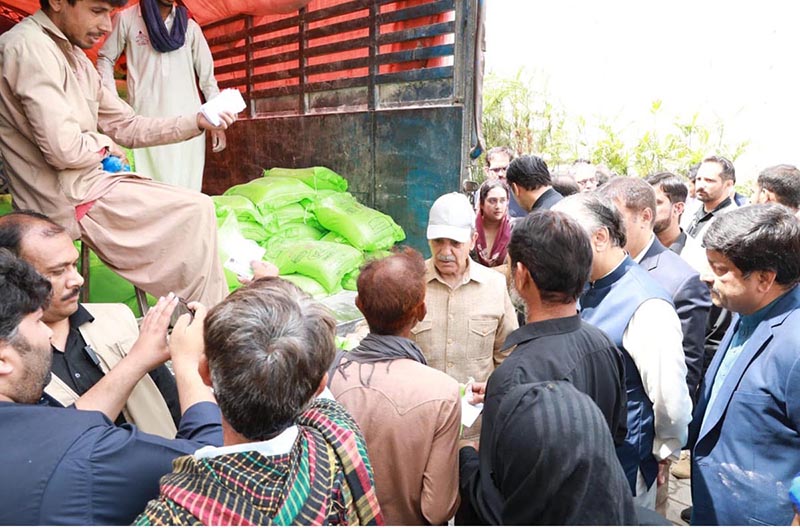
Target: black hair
point(784, 181)
point(14, 226)
point(24, 292)
point(544, 242)
point(529, 172)
point(671, 185)
point(764, 237)
point(45, 4)
point(728, 171)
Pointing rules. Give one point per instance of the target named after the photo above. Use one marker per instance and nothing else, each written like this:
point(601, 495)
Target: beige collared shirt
point(53, 108)
point(466, 326)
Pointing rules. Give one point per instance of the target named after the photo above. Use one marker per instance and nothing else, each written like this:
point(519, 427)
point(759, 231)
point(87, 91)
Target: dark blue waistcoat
point(609, 305)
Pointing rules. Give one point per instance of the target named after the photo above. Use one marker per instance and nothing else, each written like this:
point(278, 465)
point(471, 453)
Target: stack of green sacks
point(315, 232)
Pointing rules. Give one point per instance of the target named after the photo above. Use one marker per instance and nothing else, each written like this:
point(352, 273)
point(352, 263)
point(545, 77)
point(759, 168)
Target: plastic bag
point(364, 228)
point(249, 230)
point(307, 284)
point(244, 209)
point(293, 233)
point(325, 262)
point(269, 194)
point(227, 227)
point(300, 232)
point(334, 237)
point(317, 178)
point(295, 214)
point(350, 280)
point(252, 224)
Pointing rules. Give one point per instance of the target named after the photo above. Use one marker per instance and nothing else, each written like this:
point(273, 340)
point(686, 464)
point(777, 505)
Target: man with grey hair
point(469, 310)
point(636, 201)
point(298, 458)
point(638, 315)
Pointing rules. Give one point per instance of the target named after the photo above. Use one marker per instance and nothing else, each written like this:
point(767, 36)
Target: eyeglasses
point(498, 170)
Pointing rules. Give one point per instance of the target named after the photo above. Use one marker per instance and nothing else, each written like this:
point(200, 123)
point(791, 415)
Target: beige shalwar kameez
point(52, 107)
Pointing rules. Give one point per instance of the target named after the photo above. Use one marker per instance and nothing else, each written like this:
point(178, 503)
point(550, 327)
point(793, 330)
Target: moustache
point(72, 294)
point(446, 258)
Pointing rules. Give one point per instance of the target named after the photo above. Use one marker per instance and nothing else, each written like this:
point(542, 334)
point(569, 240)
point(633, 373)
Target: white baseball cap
point(453, 217)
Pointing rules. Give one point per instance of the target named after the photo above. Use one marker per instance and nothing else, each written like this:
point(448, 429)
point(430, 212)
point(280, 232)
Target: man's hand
point(261, 270)
point(227, 119)
point(148, 352)
point(186, 342)
point(187, 346)
point(218, 141)
point(478, 392)
point(116, 150)
point(151, 349)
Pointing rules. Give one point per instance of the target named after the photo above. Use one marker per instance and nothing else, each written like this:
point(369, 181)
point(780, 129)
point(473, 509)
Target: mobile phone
point(185, 304)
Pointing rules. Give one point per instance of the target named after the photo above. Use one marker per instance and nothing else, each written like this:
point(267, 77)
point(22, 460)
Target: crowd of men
point(584, 405)
point(628, 326)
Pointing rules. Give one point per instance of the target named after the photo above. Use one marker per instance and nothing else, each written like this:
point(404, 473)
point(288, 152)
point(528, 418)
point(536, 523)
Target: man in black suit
point(671, 194)
point(530, 182)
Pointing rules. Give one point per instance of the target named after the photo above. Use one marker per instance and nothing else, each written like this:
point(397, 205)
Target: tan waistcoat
point(112, 334)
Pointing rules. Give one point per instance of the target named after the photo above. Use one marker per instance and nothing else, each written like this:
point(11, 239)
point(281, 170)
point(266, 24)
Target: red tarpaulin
point(204, 11)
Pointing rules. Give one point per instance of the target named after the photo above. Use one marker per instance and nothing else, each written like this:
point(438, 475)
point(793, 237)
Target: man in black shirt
point(551, 259)
point(715, 179)
point(90, 341)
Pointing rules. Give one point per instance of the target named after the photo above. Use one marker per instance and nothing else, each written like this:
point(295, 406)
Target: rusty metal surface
point(398, 161)
point(401, 137)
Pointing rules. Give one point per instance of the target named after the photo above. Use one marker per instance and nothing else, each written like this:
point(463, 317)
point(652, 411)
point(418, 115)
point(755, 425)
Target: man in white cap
point(469, 310)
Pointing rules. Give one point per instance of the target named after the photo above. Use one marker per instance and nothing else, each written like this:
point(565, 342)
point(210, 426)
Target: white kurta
point(162, 85)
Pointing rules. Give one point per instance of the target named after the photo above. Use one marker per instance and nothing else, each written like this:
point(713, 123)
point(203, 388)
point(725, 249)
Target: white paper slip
point(240, 253)
point(228, 100)
point(469, 412)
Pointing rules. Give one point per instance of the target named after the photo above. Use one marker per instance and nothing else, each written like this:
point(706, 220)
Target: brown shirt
point(466, 326)
point(410, 415)
point(52, 109)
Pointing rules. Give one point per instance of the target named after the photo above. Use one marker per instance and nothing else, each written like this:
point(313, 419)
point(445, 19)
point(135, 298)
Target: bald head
point(391, 292)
